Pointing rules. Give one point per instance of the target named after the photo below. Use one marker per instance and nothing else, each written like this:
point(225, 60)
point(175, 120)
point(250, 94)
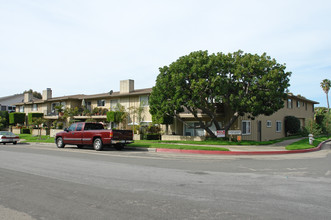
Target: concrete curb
point(241, 152)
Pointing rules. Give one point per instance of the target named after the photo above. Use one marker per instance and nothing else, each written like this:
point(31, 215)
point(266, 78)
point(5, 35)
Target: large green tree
point(199, 82)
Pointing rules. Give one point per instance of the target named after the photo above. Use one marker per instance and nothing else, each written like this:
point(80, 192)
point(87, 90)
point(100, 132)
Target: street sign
point(220, 133)
point(234, 132)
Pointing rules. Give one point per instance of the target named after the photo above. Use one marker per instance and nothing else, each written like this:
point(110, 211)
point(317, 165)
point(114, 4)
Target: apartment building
point(260, 128)
point(128, 97)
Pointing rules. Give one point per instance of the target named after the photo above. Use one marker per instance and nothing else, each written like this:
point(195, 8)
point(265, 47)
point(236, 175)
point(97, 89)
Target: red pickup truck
point(93, 134)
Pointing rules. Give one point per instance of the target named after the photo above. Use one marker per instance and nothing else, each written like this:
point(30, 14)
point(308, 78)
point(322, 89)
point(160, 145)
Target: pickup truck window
point(93, 126)
point(72, 127)
point(79, 127)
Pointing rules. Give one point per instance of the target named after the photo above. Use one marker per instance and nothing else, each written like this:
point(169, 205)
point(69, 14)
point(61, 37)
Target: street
point(40, 181)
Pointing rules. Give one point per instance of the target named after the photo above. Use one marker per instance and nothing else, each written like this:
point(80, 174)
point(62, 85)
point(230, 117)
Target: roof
point(10, 100)
point(118, 94)
point(95, 96)
point(301, 98)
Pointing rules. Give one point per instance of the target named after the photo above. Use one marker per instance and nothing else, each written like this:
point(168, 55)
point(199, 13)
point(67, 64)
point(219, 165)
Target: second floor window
point(144, 100)
point(101, 102)
point(113, 104)
point(289, 103)
point(34, 107)
point(21, 108)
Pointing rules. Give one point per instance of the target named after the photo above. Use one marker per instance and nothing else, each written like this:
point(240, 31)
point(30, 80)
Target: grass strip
point(39, 139)
point(304, 144)
point(222, 142)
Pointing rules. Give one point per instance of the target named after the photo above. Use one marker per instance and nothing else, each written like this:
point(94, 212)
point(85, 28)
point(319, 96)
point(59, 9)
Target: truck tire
point(119, 146)
point(97, 144)
point(79, 146)
point(59, 142)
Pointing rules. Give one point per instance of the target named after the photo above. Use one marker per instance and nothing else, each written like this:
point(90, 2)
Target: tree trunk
point(327, 101)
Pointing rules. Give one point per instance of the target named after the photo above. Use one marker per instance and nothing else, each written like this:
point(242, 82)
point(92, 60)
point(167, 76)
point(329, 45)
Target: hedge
point(16, 117)
point(5, 114)
point(33, 115)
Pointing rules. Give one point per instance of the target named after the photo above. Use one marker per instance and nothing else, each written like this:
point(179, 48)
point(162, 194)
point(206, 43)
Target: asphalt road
point(40, 181)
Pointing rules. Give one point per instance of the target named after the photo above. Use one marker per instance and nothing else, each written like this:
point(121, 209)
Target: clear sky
point(88, 46)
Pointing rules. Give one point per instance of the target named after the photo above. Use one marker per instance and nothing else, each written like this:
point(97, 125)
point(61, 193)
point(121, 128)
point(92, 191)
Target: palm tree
point(326, 84)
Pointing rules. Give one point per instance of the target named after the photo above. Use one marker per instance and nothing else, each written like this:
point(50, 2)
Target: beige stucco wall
point(303, 113)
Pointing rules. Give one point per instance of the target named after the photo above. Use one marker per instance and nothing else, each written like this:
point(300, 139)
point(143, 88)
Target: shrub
point(2, 122)
point(25, 131)
point(116, 117)
point(292, 125)
point(5, 118)
point(32, 116)
point(16, 118)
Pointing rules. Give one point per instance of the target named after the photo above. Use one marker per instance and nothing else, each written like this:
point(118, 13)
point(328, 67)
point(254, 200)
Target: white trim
point(269, 123)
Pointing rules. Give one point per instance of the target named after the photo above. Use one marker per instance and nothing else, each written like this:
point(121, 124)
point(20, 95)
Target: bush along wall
point(16, 118)
point(31, 116)
point(5, 115)
point(292, 125)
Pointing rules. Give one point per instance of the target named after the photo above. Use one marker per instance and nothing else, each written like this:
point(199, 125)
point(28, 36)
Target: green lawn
point(31, 138)
point(304, 144)
point(222, 142)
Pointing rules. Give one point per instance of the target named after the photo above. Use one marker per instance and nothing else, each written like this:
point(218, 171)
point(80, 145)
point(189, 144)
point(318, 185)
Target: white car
point(8, 137)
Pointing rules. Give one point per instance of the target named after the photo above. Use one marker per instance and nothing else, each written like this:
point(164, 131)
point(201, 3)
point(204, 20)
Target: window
point(278, 126)
point(289, 103)
point(22, 108)
point(298, 104)
point(191, 130)
point(268, 124)
point(72, 127)
point(113, 104)
point(101, 102)
point(93, 126)
point(79, 127)
point(246, 127)
point(34, 107)
point(3, 108)
point(144, 100)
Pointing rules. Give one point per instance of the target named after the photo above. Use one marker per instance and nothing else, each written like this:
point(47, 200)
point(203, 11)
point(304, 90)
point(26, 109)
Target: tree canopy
point(326, 84)
point(242, 82)
point(34, 93)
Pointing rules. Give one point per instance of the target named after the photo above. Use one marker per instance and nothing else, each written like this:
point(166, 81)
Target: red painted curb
point(239, 152)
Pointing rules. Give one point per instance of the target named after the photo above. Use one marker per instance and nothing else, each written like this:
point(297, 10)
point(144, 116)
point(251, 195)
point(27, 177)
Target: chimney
point(27, 96)
point(126, 86)
point(47, 94)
